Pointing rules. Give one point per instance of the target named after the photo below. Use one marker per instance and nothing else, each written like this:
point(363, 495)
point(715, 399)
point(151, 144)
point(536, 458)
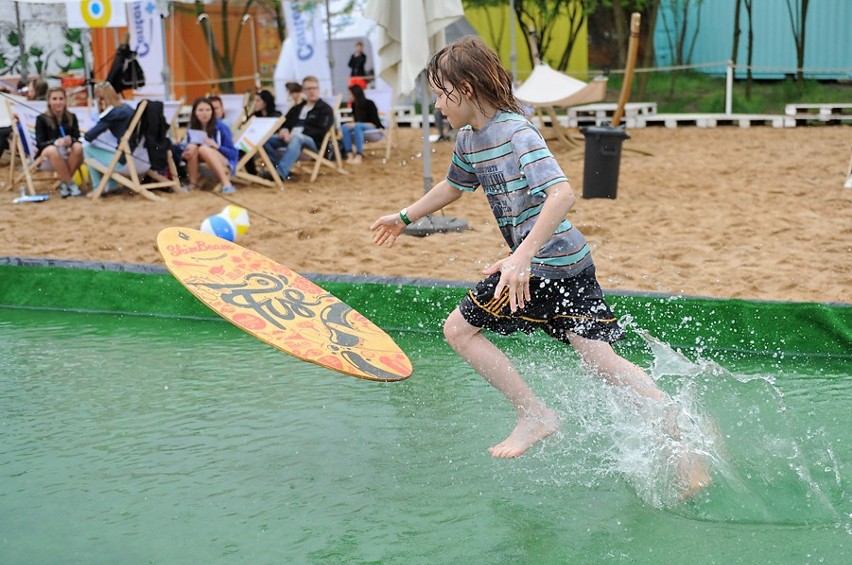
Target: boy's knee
point(456, 329)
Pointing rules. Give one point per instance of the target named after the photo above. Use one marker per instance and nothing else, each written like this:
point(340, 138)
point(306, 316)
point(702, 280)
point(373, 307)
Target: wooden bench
point(602, 113)
point(710, 120)
point(829, 113)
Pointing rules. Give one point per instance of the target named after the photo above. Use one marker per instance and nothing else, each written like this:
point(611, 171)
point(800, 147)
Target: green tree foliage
point(219, 40)
point(540, 18)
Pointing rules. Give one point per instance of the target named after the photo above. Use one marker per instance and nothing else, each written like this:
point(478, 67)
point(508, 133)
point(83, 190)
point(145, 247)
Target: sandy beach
point(755, 213)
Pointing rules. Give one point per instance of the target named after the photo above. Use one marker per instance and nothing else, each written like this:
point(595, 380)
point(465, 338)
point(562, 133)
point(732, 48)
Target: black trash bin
point(603, 157)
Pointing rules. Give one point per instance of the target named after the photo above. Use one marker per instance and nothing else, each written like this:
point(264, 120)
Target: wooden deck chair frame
point(331, 136)
point(237, 123)
point(595, 91)
point(177, 106)
point(29, 166)
point(254, 148)
point(132, 179)
point(386, 142)
point(173, 124)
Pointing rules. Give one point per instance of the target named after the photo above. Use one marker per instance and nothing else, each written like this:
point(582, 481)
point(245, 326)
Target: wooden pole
point(632, 49)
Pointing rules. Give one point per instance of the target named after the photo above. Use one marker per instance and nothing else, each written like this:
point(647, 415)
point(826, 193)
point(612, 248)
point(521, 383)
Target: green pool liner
point(754, 327)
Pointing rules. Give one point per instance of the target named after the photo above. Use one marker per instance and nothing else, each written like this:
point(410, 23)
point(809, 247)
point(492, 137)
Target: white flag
point(305, 51)
point(96, 13)
point(146, 38)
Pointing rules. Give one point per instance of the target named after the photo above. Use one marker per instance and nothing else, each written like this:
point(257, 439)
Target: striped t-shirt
point(510, 160)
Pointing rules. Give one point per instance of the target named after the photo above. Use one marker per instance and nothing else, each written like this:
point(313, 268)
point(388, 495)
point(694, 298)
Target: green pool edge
point(401, 304)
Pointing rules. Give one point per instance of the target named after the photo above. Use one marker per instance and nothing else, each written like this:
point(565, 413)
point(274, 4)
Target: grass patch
point(694, 92)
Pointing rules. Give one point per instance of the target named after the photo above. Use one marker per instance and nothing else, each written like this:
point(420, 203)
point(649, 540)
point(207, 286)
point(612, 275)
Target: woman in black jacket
point(58, 140)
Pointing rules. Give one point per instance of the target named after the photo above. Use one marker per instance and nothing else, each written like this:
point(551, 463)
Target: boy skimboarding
point(548, 282)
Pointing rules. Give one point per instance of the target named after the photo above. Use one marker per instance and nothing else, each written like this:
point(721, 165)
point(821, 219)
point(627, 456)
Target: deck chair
point(250, 140)
point(547, 89)
point(318, 157)
point(137, 165)
point(22, 143)
point(236, 109)
point(382, 138)
point(171, 111)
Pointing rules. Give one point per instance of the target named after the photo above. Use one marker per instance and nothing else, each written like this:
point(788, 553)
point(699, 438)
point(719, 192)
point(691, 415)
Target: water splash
point(734, 425)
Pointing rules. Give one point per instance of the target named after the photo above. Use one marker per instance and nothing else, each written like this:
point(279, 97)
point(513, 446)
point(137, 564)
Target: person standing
point(358, 61)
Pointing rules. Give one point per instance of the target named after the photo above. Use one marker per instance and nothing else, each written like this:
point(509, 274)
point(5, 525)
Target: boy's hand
point(515, 276)
point(387, 229)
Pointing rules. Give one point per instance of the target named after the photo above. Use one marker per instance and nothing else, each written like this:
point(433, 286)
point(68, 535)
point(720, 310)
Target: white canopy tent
point(315, 40)
point(547, 89)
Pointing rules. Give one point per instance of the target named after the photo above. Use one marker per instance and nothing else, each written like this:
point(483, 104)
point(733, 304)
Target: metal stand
point(428, 225)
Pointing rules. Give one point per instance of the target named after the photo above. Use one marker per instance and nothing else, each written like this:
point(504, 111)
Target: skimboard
point(280, 307)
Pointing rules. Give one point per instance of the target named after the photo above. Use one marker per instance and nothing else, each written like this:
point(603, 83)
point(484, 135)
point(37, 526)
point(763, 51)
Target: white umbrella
point(412, 31)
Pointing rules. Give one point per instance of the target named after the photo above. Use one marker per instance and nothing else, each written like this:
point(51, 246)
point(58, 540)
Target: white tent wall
point(346, 30)
point(44, 29)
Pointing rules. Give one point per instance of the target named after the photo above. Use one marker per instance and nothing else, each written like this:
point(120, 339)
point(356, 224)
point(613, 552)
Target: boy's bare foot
point(529, 431)
point(693, 471)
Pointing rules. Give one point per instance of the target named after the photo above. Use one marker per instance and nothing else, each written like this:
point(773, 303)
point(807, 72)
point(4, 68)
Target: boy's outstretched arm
point(389, 227)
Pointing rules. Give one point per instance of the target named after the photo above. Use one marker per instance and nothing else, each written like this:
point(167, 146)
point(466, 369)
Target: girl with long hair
point(58, 140)
point(114, 117)
point(365, 117)
point(209, 142)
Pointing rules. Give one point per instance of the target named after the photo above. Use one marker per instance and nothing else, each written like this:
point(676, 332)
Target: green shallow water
point(153, 440)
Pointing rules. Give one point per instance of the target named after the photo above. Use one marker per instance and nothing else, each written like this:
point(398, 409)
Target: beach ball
point(239, 217)
point(220, 226)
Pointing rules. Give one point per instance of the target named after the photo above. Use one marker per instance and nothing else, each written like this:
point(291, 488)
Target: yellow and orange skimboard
point(280, 307)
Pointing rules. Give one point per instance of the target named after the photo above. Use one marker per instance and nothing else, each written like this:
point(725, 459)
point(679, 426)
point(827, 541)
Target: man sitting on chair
point(305, 125)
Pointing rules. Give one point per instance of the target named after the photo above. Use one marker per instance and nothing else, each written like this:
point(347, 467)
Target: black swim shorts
point(558, 306)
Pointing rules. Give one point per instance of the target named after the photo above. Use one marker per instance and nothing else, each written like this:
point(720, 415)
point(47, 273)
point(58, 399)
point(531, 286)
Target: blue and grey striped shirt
point(510, 160)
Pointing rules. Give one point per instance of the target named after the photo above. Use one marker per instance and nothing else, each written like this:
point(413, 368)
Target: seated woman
point(264, 107)
point(58, 140)
point(103, 137)
point(209, 142)
point(365, 117)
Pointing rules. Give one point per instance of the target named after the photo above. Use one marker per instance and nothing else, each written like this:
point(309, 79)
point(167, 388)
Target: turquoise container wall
point(828, 38)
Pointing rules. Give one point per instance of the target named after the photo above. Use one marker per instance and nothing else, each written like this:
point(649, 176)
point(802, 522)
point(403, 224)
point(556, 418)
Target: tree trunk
point(621, 34)
point(749, 75)
point(800, 47)
point(576, 18)
point(649, 52)
point(736, 47)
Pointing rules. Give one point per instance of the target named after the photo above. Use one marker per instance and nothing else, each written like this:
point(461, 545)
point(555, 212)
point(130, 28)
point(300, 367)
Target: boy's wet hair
point(470, 60)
